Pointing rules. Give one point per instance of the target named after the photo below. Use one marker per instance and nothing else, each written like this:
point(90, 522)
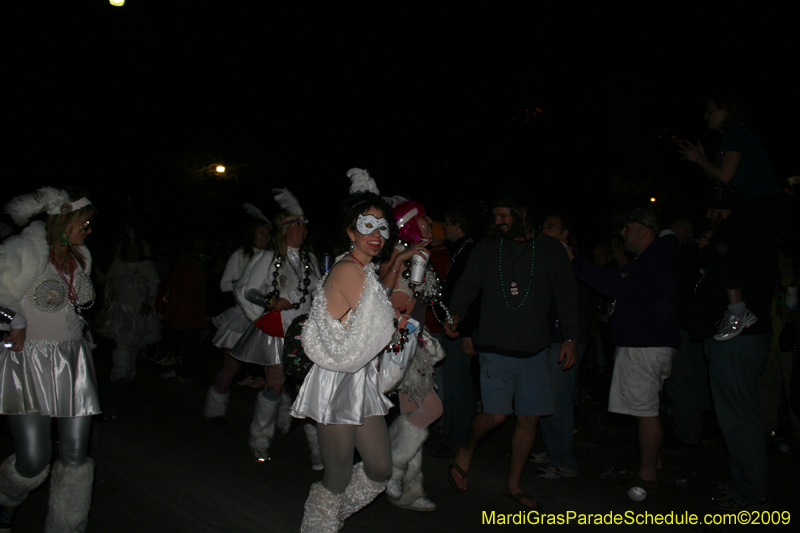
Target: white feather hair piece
point(287, 201)
point(395, 200)
point(252, 211)
point(361, 181)
point(47, 199)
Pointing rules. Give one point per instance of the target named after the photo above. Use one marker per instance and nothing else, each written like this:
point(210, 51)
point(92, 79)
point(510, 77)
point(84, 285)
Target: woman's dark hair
point(358, 204)
point(731, 104)
point(249, 234)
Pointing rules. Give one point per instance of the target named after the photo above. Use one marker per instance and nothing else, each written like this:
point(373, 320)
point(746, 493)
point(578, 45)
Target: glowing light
point(652, 199)
point(220, 169)
point(117, 3)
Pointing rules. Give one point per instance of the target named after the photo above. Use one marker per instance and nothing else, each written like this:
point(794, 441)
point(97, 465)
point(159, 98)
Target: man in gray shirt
point(518, 274)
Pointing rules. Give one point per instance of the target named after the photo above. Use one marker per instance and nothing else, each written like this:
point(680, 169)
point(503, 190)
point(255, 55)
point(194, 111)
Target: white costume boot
point(262, 428)
point(70, 498)
point(407, 440)
point(14, 488)
point(310, 428)
point(322, 509)
point(413, 495)
point(284, 413)
point(359, 492)
point(216, 403)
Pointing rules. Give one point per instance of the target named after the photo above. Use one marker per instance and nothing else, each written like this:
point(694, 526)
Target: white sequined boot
point(322, 508)
point(359, 493)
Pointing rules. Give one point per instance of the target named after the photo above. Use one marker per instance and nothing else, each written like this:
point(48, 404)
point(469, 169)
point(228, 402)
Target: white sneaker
point(555, 472)
point(731, 324)
point(541, 458)
point(394, 489)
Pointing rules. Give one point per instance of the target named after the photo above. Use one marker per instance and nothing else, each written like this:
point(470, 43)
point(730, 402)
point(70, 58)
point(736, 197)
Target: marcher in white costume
point(48, 370)
point(350, 324)
point(276, 289)
point(131, 287)
point(233, 322)
point(420, 406)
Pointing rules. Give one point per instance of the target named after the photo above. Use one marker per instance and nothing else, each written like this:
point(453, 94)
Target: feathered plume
point(395, 200)
point(253, 211)
point(361, 181)
point(287, 201)
point(23, 208)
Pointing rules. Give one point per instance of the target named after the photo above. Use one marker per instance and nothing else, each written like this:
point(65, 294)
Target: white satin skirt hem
point(340, 397)
point(51, 378)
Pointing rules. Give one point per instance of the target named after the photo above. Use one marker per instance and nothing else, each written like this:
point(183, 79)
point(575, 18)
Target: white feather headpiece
point(47, 199)
point(253, 211)
point(395, 200)
point(361, 181)
point(287, 201)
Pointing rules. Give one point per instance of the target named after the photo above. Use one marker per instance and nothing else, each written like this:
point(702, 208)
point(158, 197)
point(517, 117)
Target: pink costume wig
point(409, 230)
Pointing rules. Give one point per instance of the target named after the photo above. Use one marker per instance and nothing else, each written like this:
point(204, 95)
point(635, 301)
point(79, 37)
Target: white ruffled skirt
point(126, 325)
point(50, 378)
point(230, 325)
point(255, 346)
point(340, 397)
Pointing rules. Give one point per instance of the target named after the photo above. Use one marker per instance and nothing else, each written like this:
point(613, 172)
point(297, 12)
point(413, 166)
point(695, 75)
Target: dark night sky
point(431, 100)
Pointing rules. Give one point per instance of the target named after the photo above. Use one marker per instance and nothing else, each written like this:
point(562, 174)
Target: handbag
point(271, 323)
point(296, 363)
point(395, 359)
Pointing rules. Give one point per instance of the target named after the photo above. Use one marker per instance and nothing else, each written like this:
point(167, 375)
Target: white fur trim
point(216, 403)
point(332, 346)
point(23, 258)
point(262, 428)
point(70, 498)
point(14, 488)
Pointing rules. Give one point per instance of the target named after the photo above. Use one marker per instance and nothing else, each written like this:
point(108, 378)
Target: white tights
point(338, 441)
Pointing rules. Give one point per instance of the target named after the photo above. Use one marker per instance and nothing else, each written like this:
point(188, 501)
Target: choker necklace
point(356, 260)
point(513, 287)
point(305, 283)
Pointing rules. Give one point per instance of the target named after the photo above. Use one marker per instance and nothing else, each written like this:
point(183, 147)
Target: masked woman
point(279, 287)
point(47, 370)
point(350, 324)
point(419, 404)
point(233, 322)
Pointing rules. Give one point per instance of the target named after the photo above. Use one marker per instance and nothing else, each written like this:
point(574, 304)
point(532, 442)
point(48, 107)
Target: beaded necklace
point(513, 285)
point(305, 283)
point(464, 244)
point(71, 294)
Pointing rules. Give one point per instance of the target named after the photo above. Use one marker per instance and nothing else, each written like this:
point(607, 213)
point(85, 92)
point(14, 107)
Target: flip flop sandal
point(518, 497)
point(461, 472)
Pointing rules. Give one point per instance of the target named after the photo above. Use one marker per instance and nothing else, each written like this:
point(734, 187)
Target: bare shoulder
point(346, 271)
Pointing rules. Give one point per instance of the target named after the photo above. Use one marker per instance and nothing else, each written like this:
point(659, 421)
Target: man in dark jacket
point(644, 328)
